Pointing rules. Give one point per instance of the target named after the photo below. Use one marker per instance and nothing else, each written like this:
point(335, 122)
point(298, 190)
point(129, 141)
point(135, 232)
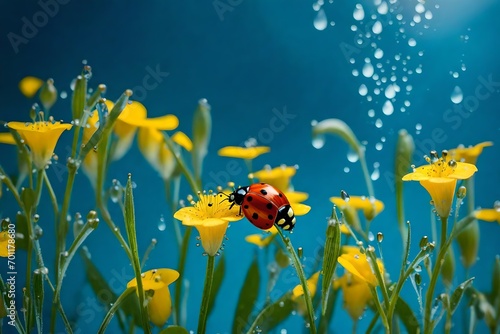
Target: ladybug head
point(237, 196)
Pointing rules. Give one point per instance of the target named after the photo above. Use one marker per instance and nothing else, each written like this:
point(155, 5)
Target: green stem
point(113, 310)
point(207, 291)
point(302, 277)
point(180, 269)
point(380, 310)
point(195, 186)
point(429, 296)
point(172, 199)
point(366, 174)
point(52, 194)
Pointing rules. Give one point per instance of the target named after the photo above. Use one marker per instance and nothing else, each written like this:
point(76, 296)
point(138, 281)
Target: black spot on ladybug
point(255, 215)
point(246, 206)
point(263, 191)
point(269, 206)
point(210, 204)
point(270, 217)
point(262, 183)
point(280, 195)
point(249, 198)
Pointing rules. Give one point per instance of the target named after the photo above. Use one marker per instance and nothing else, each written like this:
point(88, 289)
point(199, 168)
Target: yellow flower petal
point(183, 140)
point(300, 209)
point(7, 138)
point(489, 215)
point(370, 207)
point(357, 264)
point(4, 244)
point(312, 284)
point(263, 240)
point(30, 85)
point(296, 196)
point(41, 137)
point(160, 305)
point(278, 177)
point(248, 153)
point(166, 122)
point(212, 235)
point(356, 295)
point(469, 154)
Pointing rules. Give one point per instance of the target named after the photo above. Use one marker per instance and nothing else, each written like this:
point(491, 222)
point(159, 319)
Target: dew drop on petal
point(320, 21)
point(388, 108)
point(457, 95)
point(359, 13)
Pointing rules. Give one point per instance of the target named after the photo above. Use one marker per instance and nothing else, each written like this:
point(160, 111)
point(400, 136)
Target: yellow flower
point(278, 177)
point(90, 163)
point(183, 140)
point(439, 178)
point(262, 240)
point(41, 137)
point(4, 244)
point(156, 281)
point(247, 153)
point(489, 215)
point(7, 138)
point(469, 154)
point(357, 264)
point(356, 294)
point(370, 207)
point(132, 117)
point(211, 216)
point(30, 85)
point(298, 292)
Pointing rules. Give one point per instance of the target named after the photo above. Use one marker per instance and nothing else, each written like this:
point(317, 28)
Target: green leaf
point(38, 294)
point(331, 253)
point(105, 129)
point(79, 96)
point(248, 295)
point(458, 293)
point(22, 235)
point(273, 314)
point(326, 318)
point(97, 282)
point(94, 98)
point(407, 317)
point(220, 270)
point(202, 129)
point(174, 330)
point(28, 197)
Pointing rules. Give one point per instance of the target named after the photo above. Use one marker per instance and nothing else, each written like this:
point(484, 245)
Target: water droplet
point(428, 15)
point(359, 13)
point(419, 8)
point(371, 237)
point(375, 174)
point(371, 113)
point(379, 123)
point(320, 21)
point(418, 127)
point(390, 92)
point(347, 169)
point(378, 54)
point(363, 90)
point(63, 94)
point(377, 27)
point(379, 146)
point(345, 196)
point(368, 70)
point(318, 141)
point(161, 224)
point(382, 9)
point(352, 156)
point(457, 95)
point(388, 108)
point(412, 42)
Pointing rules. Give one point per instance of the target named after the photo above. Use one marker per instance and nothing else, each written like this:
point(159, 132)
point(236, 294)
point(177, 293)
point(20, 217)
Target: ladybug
point(264, 205)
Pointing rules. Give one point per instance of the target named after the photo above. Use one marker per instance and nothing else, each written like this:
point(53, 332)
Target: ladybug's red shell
point(264, 205)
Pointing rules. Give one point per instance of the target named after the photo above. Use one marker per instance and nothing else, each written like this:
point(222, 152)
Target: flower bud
point(468, 243)
point(202, 128)
point(48, 94)
point(404, 151)
point(448, 268)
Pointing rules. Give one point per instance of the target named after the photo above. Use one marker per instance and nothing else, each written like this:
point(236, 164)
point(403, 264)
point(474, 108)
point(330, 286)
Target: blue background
point(256, 57)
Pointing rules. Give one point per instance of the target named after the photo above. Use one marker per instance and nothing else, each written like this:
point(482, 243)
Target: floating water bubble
point(375, 176)
point(379, 123)
point(457, 95)
point(377, 27)
point(463, 67)
point(371, 237)
point(455, 74)
point(320, 21)
point(359, 13)
point(376, 91)
point(388, 108)
point(379, 53)
point(63, 94)
point(418, 126)
point(355, 72)
point(332, 23)
point(318, 141)
point(390, 92)
point(161, 224)
point(412, 42)
point(428, 15)
point(354, 27)
point(417, 18)
point(379, 146)
point(409, 88)
point(363, 90)
point(407, 103)
point(352, 156)
point(347, 169)
point(72, 84)
point(419, 8)
point(371, 113)
point(368, 70)
point(382, 9)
